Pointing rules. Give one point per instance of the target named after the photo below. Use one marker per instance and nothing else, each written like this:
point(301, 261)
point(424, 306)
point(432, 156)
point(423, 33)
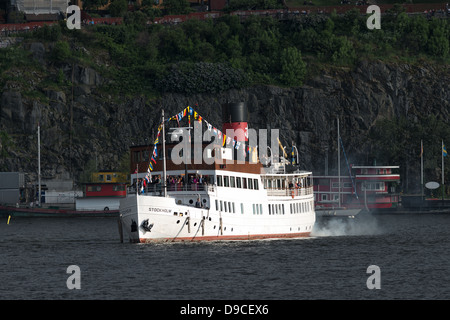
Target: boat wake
point(334, 227)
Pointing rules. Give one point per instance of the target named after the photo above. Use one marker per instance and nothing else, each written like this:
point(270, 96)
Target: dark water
point(411, 251)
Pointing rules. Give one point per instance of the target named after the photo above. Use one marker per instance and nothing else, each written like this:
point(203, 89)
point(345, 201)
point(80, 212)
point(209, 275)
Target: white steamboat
point(223, 200)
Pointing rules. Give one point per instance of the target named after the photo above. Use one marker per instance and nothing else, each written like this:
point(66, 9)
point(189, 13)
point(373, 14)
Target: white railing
point(290, 192)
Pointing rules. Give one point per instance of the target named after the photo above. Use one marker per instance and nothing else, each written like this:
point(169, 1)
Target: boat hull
point(152, 219)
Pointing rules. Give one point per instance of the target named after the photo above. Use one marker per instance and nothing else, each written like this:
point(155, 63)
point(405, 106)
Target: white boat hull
point(153, 218)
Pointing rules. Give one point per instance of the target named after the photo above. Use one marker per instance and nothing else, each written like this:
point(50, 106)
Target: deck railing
point(290, 192)
point(158, 188)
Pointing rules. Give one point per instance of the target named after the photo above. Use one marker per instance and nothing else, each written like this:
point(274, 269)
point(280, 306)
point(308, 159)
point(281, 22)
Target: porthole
point(195, 224)
point(178, 221)
point(191, 201)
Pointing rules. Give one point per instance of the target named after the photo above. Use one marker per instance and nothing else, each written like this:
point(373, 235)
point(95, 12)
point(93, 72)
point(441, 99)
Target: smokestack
point(234, 116)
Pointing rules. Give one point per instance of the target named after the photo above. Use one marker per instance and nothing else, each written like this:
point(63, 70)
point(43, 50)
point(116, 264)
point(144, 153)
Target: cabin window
point(253, 206)
point(234, 211)
point(217, 205)
point(108, 177)
point(238, 182)
point(221, 205)
point(232, 182)
point(242, 208)
point(244, 183)
point(229, 207)
point(226, 181)
point(225, 205)
point(278, 184)
point(324, 197)
point(260, 209)
point(137, 156)
point(250, 183)
point(255, 184)
point(270, 211)
point(282, 206)
point(94, 188)
point(119, 187)
point(219, 181)
point(145, 155)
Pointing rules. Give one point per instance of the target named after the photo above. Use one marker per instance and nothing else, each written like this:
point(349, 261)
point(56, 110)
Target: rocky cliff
point(105, 126)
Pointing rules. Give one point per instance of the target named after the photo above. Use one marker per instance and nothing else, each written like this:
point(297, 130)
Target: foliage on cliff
point(259, 50)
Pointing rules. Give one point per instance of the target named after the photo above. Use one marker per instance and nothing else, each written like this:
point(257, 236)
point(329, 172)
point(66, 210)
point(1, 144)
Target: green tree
point(117, 8)
point(438, 44)
point(177, 6)
point(293, 68)
point(94, 4)
point(61, 51)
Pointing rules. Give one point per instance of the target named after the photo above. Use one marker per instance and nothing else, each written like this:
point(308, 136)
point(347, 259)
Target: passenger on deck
point(198, 204)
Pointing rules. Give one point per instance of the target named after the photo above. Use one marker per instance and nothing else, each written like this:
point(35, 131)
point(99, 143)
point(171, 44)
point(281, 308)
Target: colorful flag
point(444, 150)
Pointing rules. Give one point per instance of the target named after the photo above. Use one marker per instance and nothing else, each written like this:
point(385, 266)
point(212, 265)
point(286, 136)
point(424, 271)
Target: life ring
point(292, 194)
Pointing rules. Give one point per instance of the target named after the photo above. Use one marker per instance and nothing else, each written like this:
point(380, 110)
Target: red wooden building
point(371, 187)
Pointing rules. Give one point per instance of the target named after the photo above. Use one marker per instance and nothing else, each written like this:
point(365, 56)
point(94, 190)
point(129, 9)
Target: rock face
point(105, 127)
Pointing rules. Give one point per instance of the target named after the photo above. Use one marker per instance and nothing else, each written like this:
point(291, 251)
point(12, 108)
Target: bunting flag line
point(189, 111)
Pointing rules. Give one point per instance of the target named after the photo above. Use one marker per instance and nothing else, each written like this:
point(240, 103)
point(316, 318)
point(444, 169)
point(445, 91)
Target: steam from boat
point(334, 227)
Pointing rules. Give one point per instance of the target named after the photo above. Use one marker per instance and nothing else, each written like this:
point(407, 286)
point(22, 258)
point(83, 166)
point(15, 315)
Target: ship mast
point(164, 155)
point(339, 162)
point(39, 164)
